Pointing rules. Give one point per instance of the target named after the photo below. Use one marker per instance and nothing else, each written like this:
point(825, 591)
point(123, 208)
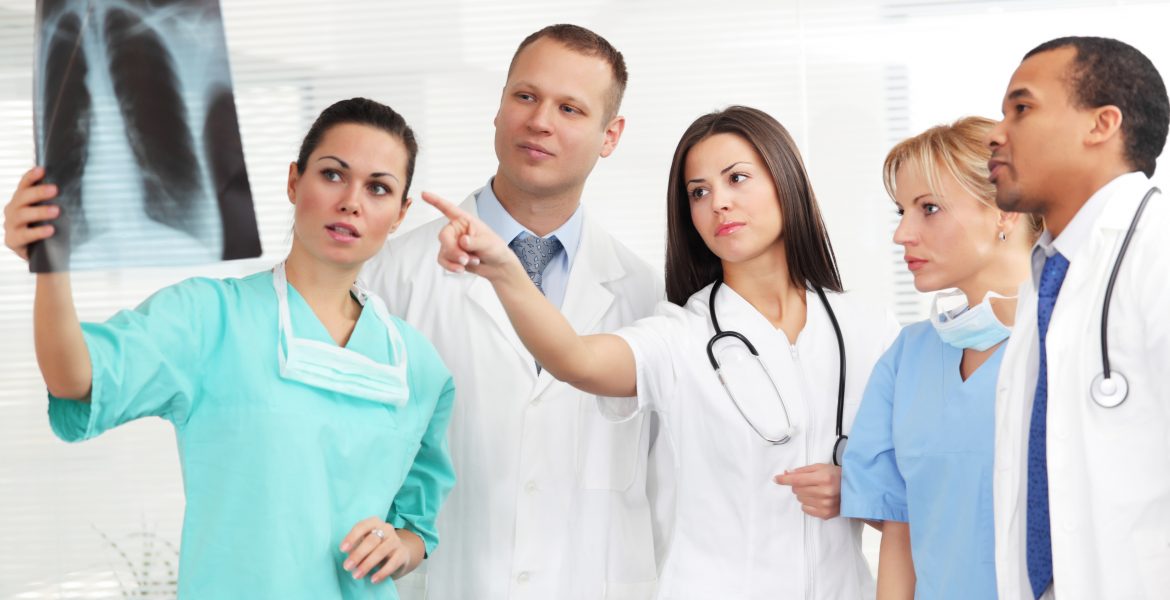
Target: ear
point(293, 177)
point(613, 133)
point(1008, 221)
point(1106, 125)
point(406, 203)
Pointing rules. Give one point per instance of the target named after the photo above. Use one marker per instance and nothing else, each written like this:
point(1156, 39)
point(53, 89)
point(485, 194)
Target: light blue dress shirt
point(556, 274)
point(922, 451)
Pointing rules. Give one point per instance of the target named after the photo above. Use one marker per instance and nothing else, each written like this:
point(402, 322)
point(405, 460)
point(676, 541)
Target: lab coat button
point(530, 487)
point(522, 577)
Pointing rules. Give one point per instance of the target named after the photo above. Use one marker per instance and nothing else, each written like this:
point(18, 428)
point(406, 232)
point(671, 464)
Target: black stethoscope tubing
point(839, 445)
point(1116, 391)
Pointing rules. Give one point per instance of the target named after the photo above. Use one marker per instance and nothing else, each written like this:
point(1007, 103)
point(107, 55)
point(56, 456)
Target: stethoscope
point(842, 440)
point(1110, 387)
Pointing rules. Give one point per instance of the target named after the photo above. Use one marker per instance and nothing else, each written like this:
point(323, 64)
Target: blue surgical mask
point(974, 327)
point(336, 369)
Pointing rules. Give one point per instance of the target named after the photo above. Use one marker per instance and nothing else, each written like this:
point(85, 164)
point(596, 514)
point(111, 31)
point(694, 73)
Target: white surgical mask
point(331, 367)
point(974, 327)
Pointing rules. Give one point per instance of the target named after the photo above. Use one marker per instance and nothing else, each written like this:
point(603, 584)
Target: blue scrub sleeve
point(872, 487)
point(146, 362)
point(431, 476)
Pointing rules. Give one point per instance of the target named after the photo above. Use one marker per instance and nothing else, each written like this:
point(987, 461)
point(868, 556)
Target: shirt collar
point(1076, 234)
point(492, 213)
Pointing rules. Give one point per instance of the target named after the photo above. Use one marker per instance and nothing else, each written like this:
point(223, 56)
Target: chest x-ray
point(136, 124)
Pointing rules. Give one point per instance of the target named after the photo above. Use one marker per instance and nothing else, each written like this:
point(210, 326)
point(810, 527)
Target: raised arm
point(60, 347)
point(599, 364)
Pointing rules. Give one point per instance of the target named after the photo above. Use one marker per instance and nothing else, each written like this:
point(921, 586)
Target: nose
point(349, 202)
point(904, 234)
point(720, 200)
point(996, 137)
point(539, 118)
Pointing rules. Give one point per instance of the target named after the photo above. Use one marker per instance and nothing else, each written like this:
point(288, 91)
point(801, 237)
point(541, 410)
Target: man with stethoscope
point(1082, 465)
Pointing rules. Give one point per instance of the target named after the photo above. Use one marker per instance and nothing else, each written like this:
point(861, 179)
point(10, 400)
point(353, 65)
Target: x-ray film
point(136, 124)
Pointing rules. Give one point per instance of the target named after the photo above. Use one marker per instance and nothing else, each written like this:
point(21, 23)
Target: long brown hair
point(691, 265)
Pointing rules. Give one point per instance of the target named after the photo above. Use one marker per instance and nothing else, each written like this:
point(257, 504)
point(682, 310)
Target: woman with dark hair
point(311, 424)
point(745, 364)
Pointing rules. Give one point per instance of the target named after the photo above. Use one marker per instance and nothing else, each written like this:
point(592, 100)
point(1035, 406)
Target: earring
point(1002, 236)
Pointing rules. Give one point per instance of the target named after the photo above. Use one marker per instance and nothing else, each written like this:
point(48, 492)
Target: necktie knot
point(535, 254)
point(1052, 276)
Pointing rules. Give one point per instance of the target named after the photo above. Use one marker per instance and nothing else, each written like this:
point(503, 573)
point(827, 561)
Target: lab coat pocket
point(608, 451)
point(1152, 549)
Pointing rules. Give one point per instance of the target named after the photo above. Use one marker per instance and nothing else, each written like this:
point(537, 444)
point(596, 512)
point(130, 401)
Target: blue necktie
point(1039, 550)
point(535, 253)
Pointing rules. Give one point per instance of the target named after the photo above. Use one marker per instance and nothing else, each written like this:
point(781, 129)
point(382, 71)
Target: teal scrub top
point(275, 472)
point(921, 451)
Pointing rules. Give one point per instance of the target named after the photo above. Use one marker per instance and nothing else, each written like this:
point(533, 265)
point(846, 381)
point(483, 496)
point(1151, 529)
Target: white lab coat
point(551, 498)
point(738, 535)
point(1108, 468)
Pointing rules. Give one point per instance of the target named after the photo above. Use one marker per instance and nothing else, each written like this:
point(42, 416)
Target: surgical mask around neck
point(336, 369)
point(975, 327)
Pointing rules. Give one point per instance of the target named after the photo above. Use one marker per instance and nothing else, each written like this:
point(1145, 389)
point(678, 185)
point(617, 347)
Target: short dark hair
point(1108, 72)
point(584, 41)
point(361, 111)
point(691, 265)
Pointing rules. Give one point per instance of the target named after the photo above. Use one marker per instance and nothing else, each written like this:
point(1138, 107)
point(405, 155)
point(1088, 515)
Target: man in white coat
point(1082, 482)
point(551, 498)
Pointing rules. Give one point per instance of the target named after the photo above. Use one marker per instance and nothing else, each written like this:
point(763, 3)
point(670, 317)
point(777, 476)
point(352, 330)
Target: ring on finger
point(378, 533)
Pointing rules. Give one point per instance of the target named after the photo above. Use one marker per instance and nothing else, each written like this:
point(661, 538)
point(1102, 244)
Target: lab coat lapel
point(586, 296)
point(479, 291)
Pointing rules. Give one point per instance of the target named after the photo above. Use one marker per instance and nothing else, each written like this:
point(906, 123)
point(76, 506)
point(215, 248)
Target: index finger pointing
point(449, 210)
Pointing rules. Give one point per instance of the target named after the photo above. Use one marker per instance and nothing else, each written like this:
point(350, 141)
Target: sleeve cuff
point(874, 512)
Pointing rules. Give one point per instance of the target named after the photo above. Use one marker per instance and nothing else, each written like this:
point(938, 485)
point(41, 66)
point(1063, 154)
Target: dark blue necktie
point(1039, 548)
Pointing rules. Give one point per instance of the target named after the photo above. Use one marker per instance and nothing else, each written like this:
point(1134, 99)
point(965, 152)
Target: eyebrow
point(567, 98)
point(345, 165)
point(724, 171)
point(1019, 93)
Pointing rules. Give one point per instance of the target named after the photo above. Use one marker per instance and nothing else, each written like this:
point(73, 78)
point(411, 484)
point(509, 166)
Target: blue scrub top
point(921, 451)
point(275, 472)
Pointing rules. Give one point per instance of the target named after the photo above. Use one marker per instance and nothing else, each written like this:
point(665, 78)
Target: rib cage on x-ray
point(137, 126)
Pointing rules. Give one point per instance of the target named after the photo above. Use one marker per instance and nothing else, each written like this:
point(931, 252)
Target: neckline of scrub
point(953, 363)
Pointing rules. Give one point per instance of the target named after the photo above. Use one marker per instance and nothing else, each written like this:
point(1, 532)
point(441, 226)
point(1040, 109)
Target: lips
point(914, 263)
point(729, 228)
point(342, 232)
point(535, 151)
point(993, 167)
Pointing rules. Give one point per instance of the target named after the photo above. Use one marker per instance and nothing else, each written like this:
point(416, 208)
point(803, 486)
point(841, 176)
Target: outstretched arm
point(60, 347)
point(599, 364)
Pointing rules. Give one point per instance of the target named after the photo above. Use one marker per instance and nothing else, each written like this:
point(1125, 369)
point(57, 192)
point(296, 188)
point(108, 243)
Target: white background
point(849, 78)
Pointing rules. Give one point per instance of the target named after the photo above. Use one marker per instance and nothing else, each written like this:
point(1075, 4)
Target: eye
point(697, 193)
point(738, 177)
point(525, 97)
point(379, 189)
point(565, 108)
point(331, 175)
point(930, 208)
point(899, 211)
point(1020, 108)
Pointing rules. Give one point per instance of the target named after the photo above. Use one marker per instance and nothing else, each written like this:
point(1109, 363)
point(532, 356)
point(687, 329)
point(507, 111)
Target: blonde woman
point(921, 449)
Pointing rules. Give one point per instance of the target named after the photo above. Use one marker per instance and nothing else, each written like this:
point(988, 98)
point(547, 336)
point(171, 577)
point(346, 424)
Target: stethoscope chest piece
point(1111, 392)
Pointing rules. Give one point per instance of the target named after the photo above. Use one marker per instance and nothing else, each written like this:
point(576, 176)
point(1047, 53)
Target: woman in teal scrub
point(921, 450)
point(311, 424)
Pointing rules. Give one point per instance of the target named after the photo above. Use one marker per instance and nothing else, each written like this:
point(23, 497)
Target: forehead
point(364, 148)
point(557, 69)
point(720, 150)
point(1043, 76)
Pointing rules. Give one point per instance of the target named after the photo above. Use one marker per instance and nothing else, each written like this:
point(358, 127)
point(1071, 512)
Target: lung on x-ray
point(136, 124)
